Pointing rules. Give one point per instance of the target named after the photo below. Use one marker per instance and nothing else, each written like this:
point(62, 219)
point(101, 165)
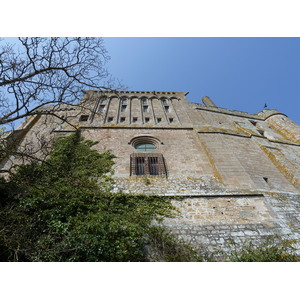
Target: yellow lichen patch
point(245, 131)
point(216, 173)
point(287, 133)
point(237, 131)
point(193, 178)
point(149, 178)
point(71, 127)
point(282, 168)
point(217, 129)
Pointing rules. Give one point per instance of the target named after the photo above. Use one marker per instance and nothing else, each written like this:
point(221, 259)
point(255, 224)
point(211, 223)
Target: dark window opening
point(134, 120)
point(171, 120)
point(123, 108)
point(158, 120)
point(261, 132)
point(147, 120)
point(110, 119)
point(145, 108)
point(167, 109)
point(147, 164)
point(164, 102)
point(83, 118)
point(124, 101)
point(253, 122)
point(122, 120)
point(139, 166)
point(101, 108)
point(153, 165)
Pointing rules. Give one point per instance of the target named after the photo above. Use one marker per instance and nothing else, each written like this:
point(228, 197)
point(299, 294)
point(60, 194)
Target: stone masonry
point(238, 173)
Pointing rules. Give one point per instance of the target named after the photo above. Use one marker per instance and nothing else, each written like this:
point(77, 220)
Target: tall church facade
point(238, 173)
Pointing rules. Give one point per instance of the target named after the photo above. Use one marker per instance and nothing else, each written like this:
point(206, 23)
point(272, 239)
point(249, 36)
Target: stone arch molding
point(145, 139)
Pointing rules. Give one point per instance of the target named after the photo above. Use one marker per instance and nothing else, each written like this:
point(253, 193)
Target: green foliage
point(164, 246)
point(274, 249)
point(63, 210)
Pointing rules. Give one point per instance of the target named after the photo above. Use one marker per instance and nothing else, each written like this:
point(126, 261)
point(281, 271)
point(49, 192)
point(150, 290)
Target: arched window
point(146, 161)
point(145, 147)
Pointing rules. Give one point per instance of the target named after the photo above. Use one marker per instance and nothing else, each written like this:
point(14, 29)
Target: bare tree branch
point(42, 71)
point(46, 76)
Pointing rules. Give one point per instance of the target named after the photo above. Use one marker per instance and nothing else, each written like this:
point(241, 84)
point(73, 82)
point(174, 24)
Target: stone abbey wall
point(213, 222)
point(238, 173)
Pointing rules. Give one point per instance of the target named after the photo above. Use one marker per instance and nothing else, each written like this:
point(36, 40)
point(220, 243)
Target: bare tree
point(46, 76)
point(40, 71)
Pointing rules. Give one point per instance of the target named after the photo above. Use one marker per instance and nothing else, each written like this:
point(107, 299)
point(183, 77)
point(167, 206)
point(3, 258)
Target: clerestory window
point(103, 101)
point(101, 108)
point(144, 101)
point(164, 102)
point(83, 118)
point(124, 101)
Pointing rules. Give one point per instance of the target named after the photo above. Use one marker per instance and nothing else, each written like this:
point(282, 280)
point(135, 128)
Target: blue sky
point(236, 73)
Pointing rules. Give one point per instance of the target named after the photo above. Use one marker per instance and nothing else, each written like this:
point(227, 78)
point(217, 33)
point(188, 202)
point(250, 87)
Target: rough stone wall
point(242, 164)
point(180, 148)
point(213, 223)
point(239, 173)
point(282, 124)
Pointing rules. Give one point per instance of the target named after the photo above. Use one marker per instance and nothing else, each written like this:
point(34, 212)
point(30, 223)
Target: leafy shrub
point(274, 249)
point(165, 246)
point(63, 210)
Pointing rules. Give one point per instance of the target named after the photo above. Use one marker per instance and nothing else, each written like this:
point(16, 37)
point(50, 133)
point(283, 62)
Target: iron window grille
point(147, 164)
